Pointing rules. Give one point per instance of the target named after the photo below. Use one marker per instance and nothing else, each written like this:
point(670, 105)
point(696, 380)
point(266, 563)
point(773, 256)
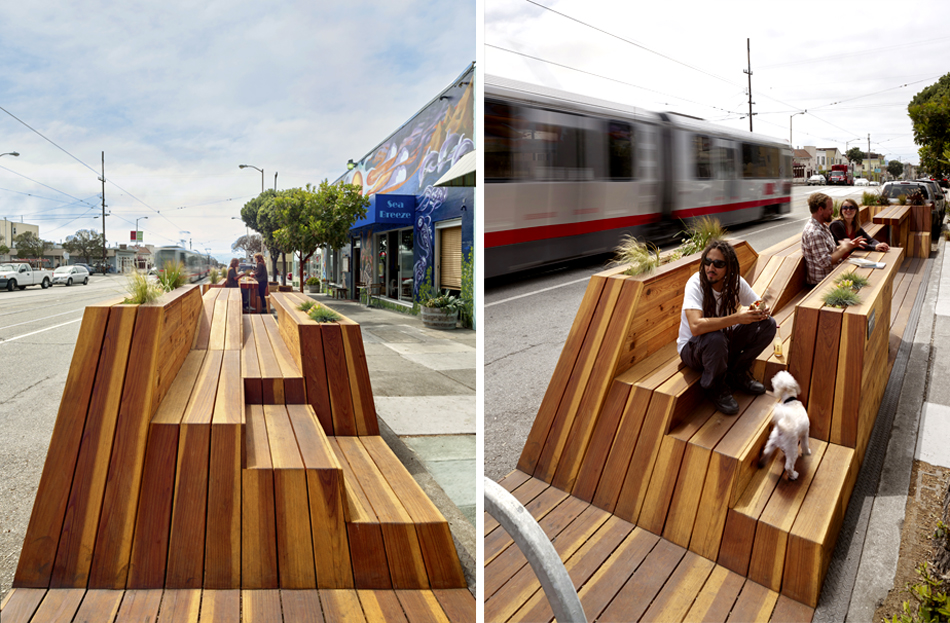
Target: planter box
point(436, 318)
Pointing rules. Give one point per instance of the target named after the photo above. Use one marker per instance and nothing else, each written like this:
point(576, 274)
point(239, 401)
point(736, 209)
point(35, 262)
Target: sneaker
point(747, 383)
point(723, 400)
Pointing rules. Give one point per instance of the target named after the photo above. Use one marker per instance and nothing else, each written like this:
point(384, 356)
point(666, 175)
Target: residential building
point(826, 157)
point(10, 230)
point(803, 163)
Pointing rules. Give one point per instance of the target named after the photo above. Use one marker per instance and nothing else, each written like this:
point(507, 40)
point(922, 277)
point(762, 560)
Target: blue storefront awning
point(388, 211)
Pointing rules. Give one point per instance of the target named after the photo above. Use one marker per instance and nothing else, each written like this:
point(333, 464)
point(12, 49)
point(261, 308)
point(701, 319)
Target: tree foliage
point(260, 214)
point(248, 244)
point(85, 243)
point(311, 218)
point(855, 155)
point(929, 112)
point(895, 168)
point(4, 249)
point(29, 244)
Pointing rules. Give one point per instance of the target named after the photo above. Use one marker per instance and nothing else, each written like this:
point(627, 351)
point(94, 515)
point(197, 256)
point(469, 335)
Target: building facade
point(414, 233)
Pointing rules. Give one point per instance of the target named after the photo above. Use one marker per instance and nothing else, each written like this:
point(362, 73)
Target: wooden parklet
point(201, 449)
point(654, 499)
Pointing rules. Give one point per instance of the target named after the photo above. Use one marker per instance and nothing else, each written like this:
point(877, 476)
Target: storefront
point(415, 232)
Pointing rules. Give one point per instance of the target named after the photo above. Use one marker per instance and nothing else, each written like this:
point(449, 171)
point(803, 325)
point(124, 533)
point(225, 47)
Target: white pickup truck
point(20, 274)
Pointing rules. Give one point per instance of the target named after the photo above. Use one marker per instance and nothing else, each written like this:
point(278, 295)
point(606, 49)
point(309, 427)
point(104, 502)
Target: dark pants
point(261, 293)
point(728, 350)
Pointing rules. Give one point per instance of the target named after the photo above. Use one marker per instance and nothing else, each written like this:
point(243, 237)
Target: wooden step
point(270, 374)
point(226, 606)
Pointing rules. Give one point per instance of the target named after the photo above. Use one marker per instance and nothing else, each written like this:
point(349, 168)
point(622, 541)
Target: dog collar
point(789, 399)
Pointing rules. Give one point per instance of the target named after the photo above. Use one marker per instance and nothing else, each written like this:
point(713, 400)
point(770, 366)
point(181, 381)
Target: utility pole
point(748, 49)
point(103, 180)
point(869, 155)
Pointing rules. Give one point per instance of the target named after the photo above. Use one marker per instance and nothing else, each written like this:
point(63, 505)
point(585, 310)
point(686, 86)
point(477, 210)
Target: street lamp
point(11, 153)
point(137, 227)
point(790, 143)
point(251, 166)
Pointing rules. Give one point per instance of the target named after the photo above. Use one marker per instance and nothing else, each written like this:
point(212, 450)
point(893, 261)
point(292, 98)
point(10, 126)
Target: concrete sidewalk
point(913, 424)
point(424, 388)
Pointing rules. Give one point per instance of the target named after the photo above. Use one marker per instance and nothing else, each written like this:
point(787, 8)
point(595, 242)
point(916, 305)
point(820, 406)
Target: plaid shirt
point(817, 246)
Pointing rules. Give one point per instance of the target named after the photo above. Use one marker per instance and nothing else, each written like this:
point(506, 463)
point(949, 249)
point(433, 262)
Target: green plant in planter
point(323, 314)
point(869, 199)
point(916, 198)
point(852, 280)
point(306, 306)
point(172, 276)
point(902, 200)
point(842, 296)
point(445, 301)
point(883, 200)
point(698, 234)
point(214, 276)
point(141, 290)
point(313, 281)
point(643, 257)
point(468, 289)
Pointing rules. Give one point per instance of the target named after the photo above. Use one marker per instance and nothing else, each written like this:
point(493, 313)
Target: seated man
point(818, 244)
point(717, 335)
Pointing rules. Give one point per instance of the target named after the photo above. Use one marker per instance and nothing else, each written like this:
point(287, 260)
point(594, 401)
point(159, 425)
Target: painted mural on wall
point(414, 158)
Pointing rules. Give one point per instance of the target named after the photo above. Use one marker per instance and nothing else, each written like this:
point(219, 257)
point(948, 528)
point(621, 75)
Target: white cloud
point(178, 94)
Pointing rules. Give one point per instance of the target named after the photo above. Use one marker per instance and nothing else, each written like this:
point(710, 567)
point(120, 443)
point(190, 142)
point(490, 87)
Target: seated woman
point(848, 226)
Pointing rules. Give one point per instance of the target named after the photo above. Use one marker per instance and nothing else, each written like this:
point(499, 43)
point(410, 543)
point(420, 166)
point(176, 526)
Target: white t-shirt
point(693, 299)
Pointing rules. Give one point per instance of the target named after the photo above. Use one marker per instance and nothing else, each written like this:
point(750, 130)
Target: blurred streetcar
point(196, 265)
point(567, 175)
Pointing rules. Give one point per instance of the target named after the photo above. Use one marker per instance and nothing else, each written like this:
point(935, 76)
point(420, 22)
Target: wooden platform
point(668, 513)
point(165, 472)
point(24, 605)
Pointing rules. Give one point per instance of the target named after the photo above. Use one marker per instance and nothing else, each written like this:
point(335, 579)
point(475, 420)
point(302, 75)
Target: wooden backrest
point(333, 363)
point(124, 362)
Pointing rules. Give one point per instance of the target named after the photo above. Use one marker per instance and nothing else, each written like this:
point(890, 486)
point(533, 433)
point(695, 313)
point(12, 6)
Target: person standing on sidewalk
point(724, 325)
point(260, 274)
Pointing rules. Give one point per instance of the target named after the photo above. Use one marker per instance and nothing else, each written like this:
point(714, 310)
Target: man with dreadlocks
point(723, 327)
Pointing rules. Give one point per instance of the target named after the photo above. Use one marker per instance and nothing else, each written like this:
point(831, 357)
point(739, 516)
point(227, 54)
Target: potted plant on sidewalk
point(313, 285)
point(441, 312)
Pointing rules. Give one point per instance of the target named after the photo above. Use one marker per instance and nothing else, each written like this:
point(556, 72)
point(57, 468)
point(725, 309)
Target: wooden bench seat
point(271, 376)
point(715, 532)
point(25, 605)
point(221, 491)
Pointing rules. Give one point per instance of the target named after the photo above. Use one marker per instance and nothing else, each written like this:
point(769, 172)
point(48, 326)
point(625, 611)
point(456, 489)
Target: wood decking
point(669, 518)
point(232, 461)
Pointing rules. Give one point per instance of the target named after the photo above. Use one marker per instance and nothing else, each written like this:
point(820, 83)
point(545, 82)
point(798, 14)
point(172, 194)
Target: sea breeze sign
point(395, 209)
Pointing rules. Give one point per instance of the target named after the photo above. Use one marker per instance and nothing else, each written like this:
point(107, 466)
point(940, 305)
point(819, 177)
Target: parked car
point(20, 275)
point(873, 183)
point(816, 180)
point(861, 182)
point(68, 275)
point(893, 191)
point(86, 266)
point(938, 193)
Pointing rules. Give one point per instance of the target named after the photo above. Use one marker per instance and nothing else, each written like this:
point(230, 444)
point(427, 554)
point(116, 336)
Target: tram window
point(506, 135)
point(620, 150)
point(727, 163)
point(702, 147)
point(558, 153)
point(759, 161)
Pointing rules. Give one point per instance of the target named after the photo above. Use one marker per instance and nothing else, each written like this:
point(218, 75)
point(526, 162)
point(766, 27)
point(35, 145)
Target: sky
point(853, 67)
point(178, 94)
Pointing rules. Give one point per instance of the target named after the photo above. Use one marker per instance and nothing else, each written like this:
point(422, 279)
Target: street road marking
point(12, 339)
point(38, 319)
point(521, 296)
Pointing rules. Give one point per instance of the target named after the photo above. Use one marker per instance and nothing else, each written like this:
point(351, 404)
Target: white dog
point(790, 424)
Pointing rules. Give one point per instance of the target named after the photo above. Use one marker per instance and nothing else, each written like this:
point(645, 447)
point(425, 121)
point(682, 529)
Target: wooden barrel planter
point(438, 318)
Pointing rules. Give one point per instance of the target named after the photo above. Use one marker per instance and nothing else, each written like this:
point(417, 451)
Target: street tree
point(312, 218)
point(29, 244)
point(260, 215)
point(248, 244)
point(895, 168)
point(855, 155)
point(85, 243)
point(929, 112)
point(4, 249)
